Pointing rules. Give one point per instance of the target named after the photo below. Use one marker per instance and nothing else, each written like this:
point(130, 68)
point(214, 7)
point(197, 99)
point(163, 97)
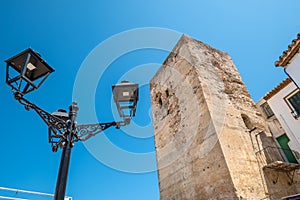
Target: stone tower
point(203, 117)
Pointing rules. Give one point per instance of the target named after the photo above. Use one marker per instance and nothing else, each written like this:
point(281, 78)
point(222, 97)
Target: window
point(294, 103)
point(268, 111)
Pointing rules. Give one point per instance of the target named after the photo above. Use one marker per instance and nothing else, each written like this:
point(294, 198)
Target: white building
point(290, 60)
point(281, 109)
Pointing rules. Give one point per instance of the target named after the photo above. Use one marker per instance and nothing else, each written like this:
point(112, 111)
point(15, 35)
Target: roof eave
point(288, 54)
point(277, 89)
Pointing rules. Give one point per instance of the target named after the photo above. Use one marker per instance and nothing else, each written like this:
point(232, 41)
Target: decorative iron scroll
point(58, 127)
point(84, 132)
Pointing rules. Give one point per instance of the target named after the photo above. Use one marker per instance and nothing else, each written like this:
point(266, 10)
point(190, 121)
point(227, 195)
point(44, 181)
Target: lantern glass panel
point(26, 71)
point(35, 68)
point(126, 97)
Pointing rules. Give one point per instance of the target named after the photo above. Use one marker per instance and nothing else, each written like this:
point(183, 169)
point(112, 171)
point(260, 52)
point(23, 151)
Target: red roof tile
point(277, 89)
point(288, 54)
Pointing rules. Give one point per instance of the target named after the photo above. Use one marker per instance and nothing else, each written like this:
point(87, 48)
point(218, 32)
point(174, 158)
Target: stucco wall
point(293, 68)
point(284, 116)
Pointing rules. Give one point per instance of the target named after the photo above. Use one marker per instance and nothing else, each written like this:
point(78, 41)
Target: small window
point(268, 111)
point(294, 101)
point(247, 121)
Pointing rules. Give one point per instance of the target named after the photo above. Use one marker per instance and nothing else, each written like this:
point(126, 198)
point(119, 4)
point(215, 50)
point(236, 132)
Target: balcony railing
point(277, 158)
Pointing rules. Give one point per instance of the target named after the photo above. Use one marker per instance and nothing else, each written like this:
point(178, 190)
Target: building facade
point(290, 61)
point(211, 140)
point(281, 109)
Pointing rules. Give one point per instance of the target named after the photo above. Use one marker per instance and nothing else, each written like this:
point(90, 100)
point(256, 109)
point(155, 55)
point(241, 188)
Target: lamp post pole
point(61, 183)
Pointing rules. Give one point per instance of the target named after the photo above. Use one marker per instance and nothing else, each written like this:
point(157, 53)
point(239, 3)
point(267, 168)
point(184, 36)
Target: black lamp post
point(26, 72)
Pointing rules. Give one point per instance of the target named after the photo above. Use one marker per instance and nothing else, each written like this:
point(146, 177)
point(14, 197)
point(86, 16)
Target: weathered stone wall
point(200, 105)
point(280, 185)
point(182, 123)
point(207, 130)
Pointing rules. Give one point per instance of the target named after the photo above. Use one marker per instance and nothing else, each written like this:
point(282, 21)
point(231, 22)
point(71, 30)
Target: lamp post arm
point(86, 131)
point(57, 125)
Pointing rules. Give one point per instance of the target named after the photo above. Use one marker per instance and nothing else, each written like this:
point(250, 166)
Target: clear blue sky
point(254, 33)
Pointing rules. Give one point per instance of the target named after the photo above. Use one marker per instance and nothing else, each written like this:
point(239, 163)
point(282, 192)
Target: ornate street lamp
point(126, 97)
point(26, 71)
point(30, 71)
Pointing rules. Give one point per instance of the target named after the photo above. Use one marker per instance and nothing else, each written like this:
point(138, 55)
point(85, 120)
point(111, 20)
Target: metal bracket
point(290, 176)
point(59, 127)
point(85, 131)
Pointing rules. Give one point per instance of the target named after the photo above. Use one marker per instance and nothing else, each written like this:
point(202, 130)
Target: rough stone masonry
point(202, 115)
